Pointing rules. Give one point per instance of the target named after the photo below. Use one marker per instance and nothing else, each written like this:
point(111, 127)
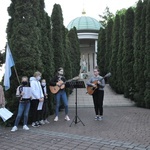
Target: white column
point(95, 53)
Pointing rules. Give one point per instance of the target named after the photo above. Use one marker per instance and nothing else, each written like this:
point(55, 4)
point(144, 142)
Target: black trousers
point(45, 110)
point(98, 97)
point(34, 111)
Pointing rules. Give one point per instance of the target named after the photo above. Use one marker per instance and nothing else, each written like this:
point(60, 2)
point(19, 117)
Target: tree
point(2, 59)
point(57, 36)
point(119, 68)
point(101, 51)
point(108, 45)
point(128, 57)
point(75, 51)
point(47, 55)
point(139, 40)
point(115, 47)
point(147, 58)
point(68, 62)
point(23, 35)
point(107, 15)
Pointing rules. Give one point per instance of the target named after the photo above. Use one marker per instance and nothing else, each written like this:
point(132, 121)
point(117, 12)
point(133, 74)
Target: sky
point(71, 9)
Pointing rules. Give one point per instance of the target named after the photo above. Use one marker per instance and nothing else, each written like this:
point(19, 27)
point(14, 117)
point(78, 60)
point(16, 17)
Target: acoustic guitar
point(91, 89)
point(56, 88)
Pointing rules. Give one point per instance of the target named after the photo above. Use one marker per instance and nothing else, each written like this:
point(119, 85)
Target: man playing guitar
point(57, 82)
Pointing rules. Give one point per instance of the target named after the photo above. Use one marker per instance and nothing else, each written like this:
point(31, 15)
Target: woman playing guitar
point(97, 84)
point(57, 84)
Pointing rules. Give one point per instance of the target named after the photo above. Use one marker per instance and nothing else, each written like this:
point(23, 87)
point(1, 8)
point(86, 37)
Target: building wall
point(88, 59)
point(88, 49)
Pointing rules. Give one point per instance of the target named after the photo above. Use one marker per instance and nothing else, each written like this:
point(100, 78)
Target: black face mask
point(24, 83)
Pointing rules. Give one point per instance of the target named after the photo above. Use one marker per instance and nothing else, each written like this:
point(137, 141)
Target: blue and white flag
point(9, 62)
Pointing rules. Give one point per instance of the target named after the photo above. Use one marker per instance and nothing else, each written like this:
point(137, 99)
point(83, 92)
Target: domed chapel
point(87, 32)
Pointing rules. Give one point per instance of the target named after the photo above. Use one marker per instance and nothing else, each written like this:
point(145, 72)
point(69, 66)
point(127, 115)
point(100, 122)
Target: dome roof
point(84, 23)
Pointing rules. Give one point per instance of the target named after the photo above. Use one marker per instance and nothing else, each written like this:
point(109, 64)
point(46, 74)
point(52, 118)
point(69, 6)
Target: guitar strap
point(59, 78)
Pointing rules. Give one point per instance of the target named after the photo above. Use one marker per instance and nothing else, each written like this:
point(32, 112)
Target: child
point(24, 94)
point(45, 104)
point(37, 98)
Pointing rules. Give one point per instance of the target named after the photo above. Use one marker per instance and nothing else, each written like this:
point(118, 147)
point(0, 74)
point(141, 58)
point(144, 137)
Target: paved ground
point(124, 127)
point(110, 98)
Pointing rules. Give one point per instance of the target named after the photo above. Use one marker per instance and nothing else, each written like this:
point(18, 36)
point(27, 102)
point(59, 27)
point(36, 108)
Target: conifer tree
point(23, 35)
point(47, 54)
point(138, 55)
point(143, 54)
point(101, 51)
point(68, 64)
point(1, 59)
point(57, 36)
point(108, 45)
point(115, 47)
point(128, 57)
point(75, 51)
point(120, 57)
point(147, 57)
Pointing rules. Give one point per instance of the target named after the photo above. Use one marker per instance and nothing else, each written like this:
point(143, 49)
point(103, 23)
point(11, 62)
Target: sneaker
point(56, 118)
point(67, 118)
point(38, 123)
point(97, 118)
point(34, 124)
point(100, 118)
point(42, 122)
point(14, 129)
point(25, 127)
point(46, 121)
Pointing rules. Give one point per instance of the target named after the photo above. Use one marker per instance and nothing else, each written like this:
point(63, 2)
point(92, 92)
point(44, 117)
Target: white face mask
point(43, 84)
point(61, 72)
point(38, 78)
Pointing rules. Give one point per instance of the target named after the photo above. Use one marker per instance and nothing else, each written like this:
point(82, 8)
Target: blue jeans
point(58, 96)
point(23, 109)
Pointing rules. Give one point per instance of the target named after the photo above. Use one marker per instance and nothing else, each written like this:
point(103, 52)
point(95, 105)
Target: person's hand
point(93, 85)
point(22, 94)
point(99, 82)
point(41, 99)
point(46, 95)
point(58, 84)
point(2, 106)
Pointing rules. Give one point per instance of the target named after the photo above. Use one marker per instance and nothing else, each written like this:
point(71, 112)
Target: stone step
point(85, 100)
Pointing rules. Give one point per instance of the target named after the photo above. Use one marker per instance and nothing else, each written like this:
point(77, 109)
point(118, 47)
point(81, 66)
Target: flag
point(9, 62)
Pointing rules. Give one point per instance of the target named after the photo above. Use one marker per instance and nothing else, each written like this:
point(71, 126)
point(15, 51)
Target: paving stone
point(124, 127)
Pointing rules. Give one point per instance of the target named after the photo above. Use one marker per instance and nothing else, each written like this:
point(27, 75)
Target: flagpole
point(16, 74)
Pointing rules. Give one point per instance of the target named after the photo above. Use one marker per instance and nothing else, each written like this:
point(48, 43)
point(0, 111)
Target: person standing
point(45, 104)
point(98, 94)
point(2, 97)
point(58, 81)
point(23, 93)
point(37, 98)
